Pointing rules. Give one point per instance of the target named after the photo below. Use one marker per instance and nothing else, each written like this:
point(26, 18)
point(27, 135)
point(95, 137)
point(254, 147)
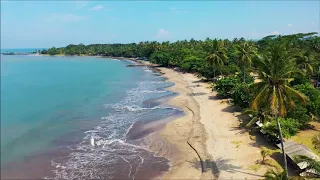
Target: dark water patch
point(34, 166)
point(142, 129)
point(153, 102)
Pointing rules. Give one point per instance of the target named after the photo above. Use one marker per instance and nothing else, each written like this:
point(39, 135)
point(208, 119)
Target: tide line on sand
point(203, 137)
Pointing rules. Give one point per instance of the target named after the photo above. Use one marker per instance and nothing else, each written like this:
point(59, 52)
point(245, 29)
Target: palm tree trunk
point(282, 146)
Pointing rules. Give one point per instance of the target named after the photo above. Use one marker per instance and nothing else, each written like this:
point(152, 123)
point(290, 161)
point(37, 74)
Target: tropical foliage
point(245, 52)
point(274, 175)
point(265, 152)
point(316, 142)
point(289, 127)
point(242, 95)
point(312, 165)
point(226, 85)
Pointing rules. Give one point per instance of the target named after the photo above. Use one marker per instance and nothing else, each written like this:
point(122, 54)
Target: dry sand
point(210, 131)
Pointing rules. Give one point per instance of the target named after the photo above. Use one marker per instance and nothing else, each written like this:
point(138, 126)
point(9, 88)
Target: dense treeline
point(273, 79)
point(193, 56)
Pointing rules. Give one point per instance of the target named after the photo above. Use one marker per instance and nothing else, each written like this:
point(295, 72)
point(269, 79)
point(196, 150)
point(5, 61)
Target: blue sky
point(35, 24)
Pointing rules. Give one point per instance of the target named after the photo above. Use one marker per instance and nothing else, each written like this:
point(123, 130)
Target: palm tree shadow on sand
point(219, 165)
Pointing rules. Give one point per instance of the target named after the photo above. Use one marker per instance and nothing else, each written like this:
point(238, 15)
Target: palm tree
point(304, 62)
point(316, 142)
point(216, 56)
point(261, 115)
point(274, 175)
point(273, 92)
point(245, 52)
point(312, 165)
point(264, 153)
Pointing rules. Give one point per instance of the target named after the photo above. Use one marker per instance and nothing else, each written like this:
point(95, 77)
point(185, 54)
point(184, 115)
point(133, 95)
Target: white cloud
point(163, 34)
point(67, 17)
point(289, 25)
point(81, 4)
point(96, 8)
point(313, 23)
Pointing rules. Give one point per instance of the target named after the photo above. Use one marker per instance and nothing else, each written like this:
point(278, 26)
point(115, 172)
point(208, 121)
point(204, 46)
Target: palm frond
point(252, 121)
point(294, 93)
point(311, 164)
point(316, 142)
point(260, 98)
point(271, 174)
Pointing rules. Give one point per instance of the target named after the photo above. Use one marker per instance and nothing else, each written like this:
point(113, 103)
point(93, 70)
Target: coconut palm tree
point(245, 53)
point(216, 55)
point(312, 165)
point(305, 61)
point(272, 91)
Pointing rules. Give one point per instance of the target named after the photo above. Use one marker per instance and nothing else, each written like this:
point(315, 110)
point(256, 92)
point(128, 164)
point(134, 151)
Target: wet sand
point(208, 142)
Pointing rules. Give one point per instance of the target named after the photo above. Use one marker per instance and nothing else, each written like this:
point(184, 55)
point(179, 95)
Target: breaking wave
point(111, 152)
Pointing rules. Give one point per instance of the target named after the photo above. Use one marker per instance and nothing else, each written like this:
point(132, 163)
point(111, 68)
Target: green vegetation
point(245, 52)
point(265, 152)
point(289, 127)
point(225, 86)
point(275, 175)
point(313, 106)
point(312, 165)
point(316, 142)
point(242, 95)
point(280, 94)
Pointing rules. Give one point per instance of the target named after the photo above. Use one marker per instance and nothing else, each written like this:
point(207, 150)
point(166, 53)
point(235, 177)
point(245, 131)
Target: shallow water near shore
point(53, 106)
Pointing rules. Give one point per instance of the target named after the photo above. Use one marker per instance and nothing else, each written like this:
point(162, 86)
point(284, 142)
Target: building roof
point(293, 149)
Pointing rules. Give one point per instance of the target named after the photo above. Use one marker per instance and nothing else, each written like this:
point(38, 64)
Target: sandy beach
point(207, 143)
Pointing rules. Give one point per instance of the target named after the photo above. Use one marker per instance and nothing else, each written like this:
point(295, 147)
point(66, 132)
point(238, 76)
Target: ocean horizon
point(52, 108)
point(21, 50)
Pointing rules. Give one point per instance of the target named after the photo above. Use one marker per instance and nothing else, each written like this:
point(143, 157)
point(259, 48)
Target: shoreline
point(182, 140)
point(187, 133)
point(182, 147)
point(206, 143)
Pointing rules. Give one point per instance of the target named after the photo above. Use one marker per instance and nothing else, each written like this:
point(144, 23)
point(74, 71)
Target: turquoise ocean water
point(54, 106)
point(21, 50)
